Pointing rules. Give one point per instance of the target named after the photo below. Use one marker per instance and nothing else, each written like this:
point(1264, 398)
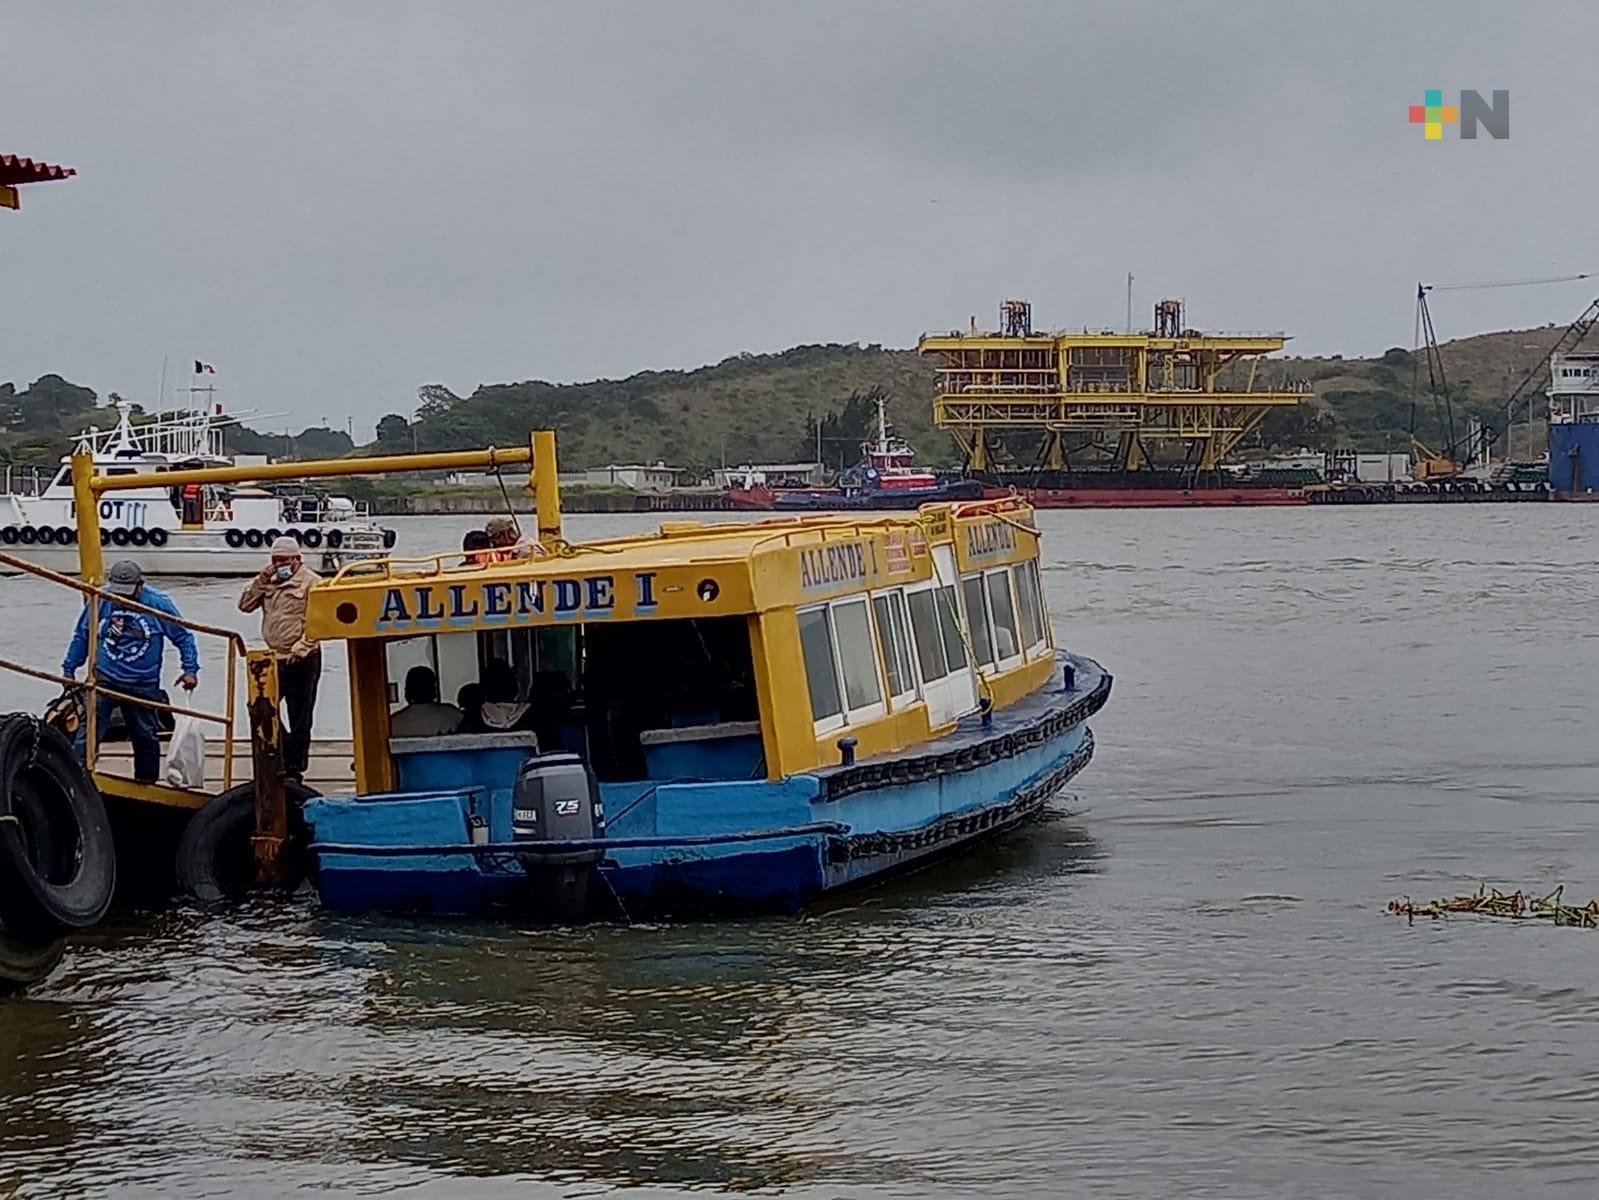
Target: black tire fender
point(311, 538)
point(24, 962)
point(335, 538)
point(8, 535)
point(234, 538)
point(119, 536)
point(58, 863)
point(252, 538)
point(139, 536)
point(66, 536)
point(158, 536)
point(216, 862)
point(45, 535)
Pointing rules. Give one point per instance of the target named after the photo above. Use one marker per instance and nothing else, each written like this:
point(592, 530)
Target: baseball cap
point(285, 547)
point(124, 578)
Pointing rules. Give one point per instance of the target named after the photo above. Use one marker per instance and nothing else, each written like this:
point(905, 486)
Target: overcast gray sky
point(337, 202)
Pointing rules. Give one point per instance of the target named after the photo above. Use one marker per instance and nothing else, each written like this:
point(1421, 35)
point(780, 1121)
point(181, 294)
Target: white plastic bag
point(186, 754)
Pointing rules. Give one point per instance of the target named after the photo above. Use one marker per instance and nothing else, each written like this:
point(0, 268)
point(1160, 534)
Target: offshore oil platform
point(1129, 419)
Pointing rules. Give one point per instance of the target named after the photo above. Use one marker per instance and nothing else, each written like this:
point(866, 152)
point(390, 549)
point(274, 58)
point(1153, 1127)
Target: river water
point(1182, 982)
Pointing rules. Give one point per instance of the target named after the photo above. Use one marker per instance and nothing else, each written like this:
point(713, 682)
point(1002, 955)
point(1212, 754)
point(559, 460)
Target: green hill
point(768, 407)
point(750, 408)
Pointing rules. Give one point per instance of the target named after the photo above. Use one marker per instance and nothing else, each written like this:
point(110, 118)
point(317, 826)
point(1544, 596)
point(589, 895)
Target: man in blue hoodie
point(132, 645)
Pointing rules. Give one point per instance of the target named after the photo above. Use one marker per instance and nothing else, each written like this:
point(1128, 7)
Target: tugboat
point(884, 480)
point(196, 530)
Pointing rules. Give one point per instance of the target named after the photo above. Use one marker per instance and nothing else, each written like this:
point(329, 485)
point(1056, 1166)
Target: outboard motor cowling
point(556, 798)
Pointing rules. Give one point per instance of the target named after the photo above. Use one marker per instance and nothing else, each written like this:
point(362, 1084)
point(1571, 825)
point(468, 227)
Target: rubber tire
point(389, 538)
point(234, 538)
point(65, 536)
point(8, 535)
point(27, 535)
point(139, 536)
point(158, 536)
point(252, 538)
point(215, 861)
point(45, 536)
point(311, 538)
point(24, 963)
point(335, 538)
point(105, 537)
point(119, 536)
point(270, 536)
point(63, 822)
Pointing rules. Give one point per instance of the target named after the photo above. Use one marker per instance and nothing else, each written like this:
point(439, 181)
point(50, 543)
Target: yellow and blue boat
point(704, 719)
point(723, 718)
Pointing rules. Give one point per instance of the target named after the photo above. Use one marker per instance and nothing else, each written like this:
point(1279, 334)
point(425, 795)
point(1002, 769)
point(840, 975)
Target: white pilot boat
point(222, 531)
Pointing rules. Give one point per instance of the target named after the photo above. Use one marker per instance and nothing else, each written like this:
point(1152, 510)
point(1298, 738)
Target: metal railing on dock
point(93, 689)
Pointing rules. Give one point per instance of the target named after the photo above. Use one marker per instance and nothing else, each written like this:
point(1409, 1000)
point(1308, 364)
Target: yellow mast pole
point(91, 561)
point(544, 483)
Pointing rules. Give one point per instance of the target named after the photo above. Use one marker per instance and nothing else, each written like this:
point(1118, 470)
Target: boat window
point(949, 624)
point(893, 641)
point(1007, 642)
point(821, 669)
point(977, 619)
point(857, 655)
point(929, 641)
point(604, 691)
point(1027, 600)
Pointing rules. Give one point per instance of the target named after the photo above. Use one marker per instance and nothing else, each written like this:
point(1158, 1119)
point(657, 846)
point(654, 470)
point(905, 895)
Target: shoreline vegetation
point(780, 407)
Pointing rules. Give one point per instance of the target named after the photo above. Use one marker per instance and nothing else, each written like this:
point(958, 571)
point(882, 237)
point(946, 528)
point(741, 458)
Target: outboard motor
point(556, 798)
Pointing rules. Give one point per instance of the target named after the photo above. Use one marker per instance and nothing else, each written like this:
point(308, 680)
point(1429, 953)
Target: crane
point(1425, 462)
point(1460, 453)
point(1536, 381)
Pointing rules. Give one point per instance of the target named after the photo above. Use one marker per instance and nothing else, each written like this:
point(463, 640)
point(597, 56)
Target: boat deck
point(330, 771)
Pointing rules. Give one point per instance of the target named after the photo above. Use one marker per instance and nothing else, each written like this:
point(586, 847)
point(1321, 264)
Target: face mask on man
point(283, 573)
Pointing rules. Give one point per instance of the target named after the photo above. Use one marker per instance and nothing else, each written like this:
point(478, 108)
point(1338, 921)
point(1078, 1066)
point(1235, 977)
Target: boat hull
point(1219, 497)
point(877, 500)
point(821, 832)
point(201, 553)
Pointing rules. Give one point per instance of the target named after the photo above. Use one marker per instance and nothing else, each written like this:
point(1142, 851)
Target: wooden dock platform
point(331, 768)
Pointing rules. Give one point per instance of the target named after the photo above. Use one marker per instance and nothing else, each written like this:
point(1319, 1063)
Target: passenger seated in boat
point(502, 709)
point(477, 548)
point(470, 701)
point(423, 715)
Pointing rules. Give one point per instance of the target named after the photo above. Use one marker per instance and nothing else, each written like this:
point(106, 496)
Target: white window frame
point(1012, 661)
point(1035, 583)
point(849, 716)
point(912, 691)
point(955, 694)
point(837, 720)
point(876, 708)
point(972, 622)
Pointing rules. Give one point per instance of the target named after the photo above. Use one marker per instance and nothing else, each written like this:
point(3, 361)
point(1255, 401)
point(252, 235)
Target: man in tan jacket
point(279, 591)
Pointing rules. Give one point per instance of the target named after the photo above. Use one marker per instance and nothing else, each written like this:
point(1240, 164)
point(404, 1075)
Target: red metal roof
point(16, 169)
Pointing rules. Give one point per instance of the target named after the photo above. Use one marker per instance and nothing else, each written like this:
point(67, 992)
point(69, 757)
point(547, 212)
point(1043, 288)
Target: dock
point(1447, 491)
point(331, 769)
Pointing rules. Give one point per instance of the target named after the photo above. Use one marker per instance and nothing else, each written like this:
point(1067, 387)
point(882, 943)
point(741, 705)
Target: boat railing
point(94, 689)
point(28, 481)
point(423, 565)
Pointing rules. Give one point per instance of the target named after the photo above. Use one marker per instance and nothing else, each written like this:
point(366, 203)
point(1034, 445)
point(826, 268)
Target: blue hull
point(703, 848)
point(1574, 458)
